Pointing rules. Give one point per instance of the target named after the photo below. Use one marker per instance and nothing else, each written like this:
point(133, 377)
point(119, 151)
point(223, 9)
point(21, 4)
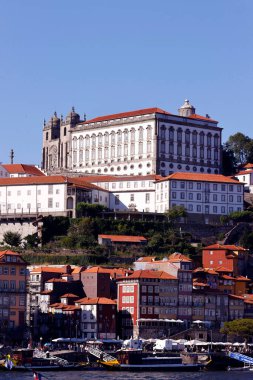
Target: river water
point(95, 375)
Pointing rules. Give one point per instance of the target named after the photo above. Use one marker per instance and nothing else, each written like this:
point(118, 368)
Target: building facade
point(142, 142)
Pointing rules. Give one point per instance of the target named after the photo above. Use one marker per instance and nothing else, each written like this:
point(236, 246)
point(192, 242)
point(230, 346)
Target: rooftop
point(185, 176)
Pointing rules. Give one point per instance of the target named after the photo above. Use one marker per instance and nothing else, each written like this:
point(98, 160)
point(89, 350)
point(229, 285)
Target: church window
point(209, 139)
point(201, 138)
point(100, 137)
point(194, 137)
point(113, 138)
point(81, 142)
point(140, 133)
point(149, 133)
point(179, 134)
point(106, 138)
point(119, 150)
point(149, 147)
point(119, 136)
point(140, 147)
point(132, 149)
point(187, 136)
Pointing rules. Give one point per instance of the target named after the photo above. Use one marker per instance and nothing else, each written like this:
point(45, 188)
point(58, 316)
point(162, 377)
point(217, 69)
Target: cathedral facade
point(142, 142)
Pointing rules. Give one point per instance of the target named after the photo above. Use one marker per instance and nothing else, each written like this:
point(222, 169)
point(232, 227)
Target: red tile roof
point(145, 111)
point(23, 169)
point(113, 272)
point(8, 252)
point(195, 116)
point(248, 165)
point(49, 270)
point(123, 238)
point(150, 274)
point(69, 295)
point(226, 247)
point(205, 270)
point(95, 301)
point(243, 172)
point(44, 180)
point(178, 257)
point(242, 278)
point(200, 177)
point(223, 269)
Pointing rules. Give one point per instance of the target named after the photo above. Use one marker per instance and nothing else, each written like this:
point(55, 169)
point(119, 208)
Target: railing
point(40, 354)
point(99, 354)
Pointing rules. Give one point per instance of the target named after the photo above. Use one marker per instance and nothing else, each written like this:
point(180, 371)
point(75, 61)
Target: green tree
point(12, 238)
point(239, 327)
point(87, 209)
point(228, 161)
point(241, 146)
point(175, 213)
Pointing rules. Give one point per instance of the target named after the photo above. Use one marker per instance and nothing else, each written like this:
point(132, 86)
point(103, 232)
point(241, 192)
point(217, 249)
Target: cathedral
point(140, 142)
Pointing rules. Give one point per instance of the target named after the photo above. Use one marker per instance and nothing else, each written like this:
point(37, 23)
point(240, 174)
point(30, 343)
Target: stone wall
point(24, 228)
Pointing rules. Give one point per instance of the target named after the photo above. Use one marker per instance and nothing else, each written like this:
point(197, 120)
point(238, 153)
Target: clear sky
point(109, 56)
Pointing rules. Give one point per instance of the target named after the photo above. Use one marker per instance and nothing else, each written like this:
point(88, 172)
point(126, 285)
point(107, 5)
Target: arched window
point(187, 136)
point(209, 139)
point(141, 133)
point(81, 142)
point(87, 141)
point(106, 138)
point(140, 147)
point(179, 149)
point(171, 148)
point(132, 134)
point(216, 140)
point(149, 132)
point(201, 138)
point(163, 147)
point(80, 155)
point(194, 137)
point(163, 131)
point(87, 155)
point(74, 143)
point(179, 135)
point(125, 135)
point(113, 138)
point(100, 139)
point(171, 134)
point(93, 140)
point(119, 136)
point(70, 203)
point(187, 150)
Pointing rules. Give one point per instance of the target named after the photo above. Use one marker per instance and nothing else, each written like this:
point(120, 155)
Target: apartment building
point(13, 276)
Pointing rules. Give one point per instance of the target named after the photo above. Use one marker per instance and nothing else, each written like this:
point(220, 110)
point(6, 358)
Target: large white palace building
point(143, 142)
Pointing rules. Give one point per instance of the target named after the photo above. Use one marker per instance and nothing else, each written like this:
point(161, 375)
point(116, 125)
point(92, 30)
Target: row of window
point(107, 138)
point(203, 186)
point(29, 192)
point(204, 197)
point(11, 301)
point(12, 270)
point(194, 152)
point(190, 137)
point(11, 285)
point(128, 185)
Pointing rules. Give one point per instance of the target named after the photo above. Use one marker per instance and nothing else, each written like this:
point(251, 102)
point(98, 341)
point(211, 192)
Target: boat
point(28, 360)
point(137, 360)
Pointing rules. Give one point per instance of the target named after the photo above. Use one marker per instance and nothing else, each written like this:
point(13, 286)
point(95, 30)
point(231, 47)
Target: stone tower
point(187, 109)
point(56, 150)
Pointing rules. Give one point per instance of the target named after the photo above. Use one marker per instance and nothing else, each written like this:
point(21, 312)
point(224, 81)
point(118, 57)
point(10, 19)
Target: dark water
point(94, 375)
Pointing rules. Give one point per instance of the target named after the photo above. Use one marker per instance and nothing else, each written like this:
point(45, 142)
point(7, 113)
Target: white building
point(47, 195)
point(134, 193)
point(246, 176)
point(142, 142)
point(205, 196)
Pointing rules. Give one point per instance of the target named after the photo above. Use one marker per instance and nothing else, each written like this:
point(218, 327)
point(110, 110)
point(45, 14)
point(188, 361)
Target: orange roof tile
point(150, 274)
point(223, 269)
point(227, 247)
point(178, 257)
point(145, 111)
point(45, 180)
point(205, 270)
point(183, 176)
point(195, 116)
point(8, 252)
point(123, 238)
point(69, 295)
point(248, 165)
point(56, 280)
point(48, 269)
point(95, 301)
point(22, 168)
point(78, 270)
point(242, 278)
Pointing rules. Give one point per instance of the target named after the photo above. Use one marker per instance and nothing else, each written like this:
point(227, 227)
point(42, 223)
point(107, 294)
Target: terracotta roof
point(145, 111)
point(248, 165)
point(22, 168)
point(146, 259)
point(118, 272)
point(235, 297)
point(69, 295)
point(150, 274)
point(8, 252)
point(45, 180)
point(226, 277)
point(95, 301)
point(46, 292)
point(197, 283)
point(123, 238)
point(223, 269)
point(78, 270)
point(56, 280)
point(205, 270)
point(178, 257)
point(226, 247)
point(195, 116)
point(243, 172)
point(183, 176)
point(49, 269)
point(242, 278)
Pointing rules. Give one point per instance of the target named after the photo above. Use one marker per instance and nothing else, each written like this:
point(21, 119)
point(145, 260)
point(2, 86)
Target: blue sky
point(107, 56)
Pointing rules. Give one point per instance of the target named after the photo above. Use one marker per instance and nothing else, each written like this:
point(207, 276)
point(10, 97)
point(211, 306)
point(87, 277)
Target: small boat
point(24, 360)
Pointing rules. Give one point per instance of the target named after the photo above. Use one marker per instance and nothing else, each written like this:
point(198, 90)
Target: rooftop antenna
point(12, 156)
